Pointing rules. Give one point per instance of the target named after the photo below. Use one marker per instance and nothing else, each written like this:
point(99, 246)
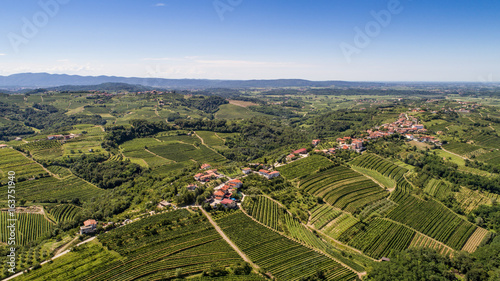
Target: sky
point(352, 40)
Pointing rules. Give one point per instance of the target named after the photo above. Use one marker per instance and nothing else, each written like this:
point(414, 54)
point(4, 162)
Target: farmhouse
point(205, 166)
point(236, 183)
point(192, 187)
point(269, 175)
point(228, 203)
point(164, 204)
point(300, 151)
point(3, 145)
point(315, 142)
point(246, 171)
point(89, 226)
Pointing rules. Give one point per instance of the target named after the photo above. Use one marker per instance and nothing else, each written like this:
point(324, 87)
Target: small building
point(206, 166)
point(219, 195)
point(236, 183)
point(89, 226)
point(228, 203)
point(246, 171)
point(3, 145)
point(18, 139)
point(192, 187)
point(274, 174)
point(300, 151)
point(164, 204)
point(315, 142)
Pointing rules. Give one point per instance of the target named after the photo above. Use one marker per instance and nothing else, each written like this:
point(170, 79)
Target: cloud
point(159, 5)
point(161, 59)
point(2, 54)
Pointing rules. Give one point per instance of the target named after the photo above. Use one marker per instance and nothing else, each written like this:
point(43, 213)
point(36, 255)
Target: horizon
point(398, 41)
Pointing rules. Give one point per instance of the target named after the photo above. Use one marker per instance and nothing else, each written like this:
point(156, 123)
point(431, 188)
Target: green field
point(304, 166)
point(29, 227)
point(343, 188)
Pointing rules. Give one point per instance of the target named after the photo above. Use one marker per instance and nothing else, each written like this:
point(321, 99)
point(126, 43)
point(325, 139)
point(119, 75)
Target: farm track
point(45, 169)
point(463, 157)
point(159, 155)
point(229, 241)
point(203, 143)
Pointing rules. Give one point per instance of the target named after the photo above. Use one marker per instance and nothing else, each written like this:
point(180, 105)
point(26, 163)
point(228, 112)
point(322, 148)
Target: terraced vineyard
point(64, 212)
point(192, 245)
point(272, 215)
point(422, 241)
point(336, 227)
point(43, 149)
point(59, 171)
point(434, 220)
point(303, 167)
point(343, 188)
point(470, 200)
point(50, 188)
point(321, 215)
point(379, 238)
point(381, 207)
point(282, 257)
point(12, 160)
point(377, 163)
point(437, 188)
point(266, 211)
point(475, 239)
point(29, 227)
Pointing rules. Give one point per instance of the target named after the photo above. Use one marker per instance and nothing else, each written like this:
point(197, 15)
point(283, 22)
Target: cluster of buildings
point(222, 194)
point(63, 137)
point(207, 175)
point(267, 174)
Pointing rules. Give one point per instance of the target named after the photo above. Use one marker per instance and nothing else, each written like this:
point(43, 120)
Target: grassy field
point(385, 181)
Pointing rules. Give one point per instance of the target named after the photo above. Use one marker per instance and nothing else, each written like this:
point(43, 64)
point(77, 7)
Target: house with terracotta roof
point(246, 171)
point(300, 151)
point(274, 174)
point(3, 145)
point(228, 203)
point(316, 142)
point(192, 187)
point(89, 226)
point(205, 166)
point(236, 183)
point(219, 195)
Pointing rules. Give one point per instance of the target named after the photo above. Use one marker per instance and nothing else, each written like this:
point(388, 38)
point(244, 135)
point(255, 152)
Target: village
point(227, 193)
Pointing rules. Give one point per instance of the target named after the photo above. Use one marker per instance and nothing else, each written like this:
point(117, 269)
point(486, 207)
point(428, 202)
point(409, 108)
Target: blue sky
point(417, 40)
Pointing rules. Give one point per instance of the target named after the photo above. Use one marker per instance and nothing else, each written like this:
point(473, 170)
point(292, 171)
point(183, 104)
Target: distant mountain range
point(46, 80)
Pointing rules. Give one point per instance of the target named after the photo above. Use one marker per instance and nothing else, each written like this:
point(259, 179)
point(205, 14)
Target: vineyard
point(336, 227)
point(180, 239)
point(343, 188)
point(422, 241)
point(384, 167)
point(303, 167)
point(381, 208)
point(29, 227)
point(437, 188)
point(475, 239)
point(282, 257)
point(461, 148)
point(60, 171)
point(379, 238)
point(42, 149)
point(433, 219)
point(269, 213)
point(470, 200)
point(64, 212)
point(321, 215)
point(180, 152)
point(210, 138)
point(12, 160)
point(50, 188)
